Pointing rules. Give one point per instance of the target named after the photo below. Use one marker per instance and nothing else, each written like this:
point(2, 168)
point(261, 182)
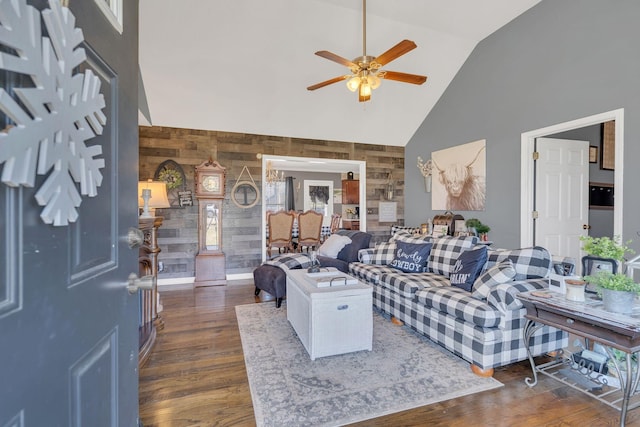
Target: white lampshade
point(353, 83)
point(158, 194)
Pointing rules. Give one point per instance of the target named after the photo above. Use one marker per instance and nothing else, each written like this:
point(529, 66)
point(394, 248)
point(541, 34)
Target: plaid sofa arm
point(365, 256)
point(530, 263)
point(503, 296)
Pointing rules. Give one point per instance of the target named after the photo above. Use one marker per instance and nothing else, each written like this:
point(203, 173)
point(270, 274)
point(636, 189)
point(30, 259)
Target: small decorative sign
point(185, 198)
point(388, 212)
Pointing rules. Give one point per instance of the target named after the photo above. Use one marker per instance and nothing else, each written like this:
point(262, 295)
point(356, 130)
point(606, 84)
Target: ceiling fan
point(366, 72)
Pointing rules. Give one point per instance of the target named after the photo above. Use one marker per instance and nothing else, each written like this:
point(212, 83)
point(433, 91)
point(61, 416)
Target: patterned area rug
point(403, 371)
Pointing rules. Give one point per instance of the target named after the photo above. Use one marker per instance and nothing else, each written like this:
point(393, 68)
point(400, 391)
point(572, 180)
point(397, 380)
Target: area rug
point(403, 371)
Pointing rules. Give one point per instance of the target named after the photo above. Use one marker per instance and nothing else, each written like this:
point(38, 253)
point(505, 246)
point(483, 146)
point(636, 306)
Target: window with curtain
point(275, 196)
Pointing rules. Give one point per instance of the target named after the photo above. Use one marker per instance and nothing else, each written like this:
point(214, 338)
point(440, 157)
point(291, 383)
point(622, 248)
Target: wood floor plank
point(195, 376)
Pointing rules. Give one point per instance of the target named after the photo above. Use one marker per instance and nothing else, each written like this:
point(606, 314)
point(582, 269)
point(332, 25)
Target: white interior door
point(561, 195)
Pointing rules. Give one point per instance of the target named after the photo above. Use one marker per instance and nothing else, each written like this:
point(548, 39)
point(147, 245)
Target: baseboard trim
point(176, 281)
point(172, 281)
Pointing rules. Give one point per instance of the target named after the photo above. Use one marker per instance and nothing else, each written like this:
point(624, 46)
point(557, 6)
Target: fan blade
point(403, 77)
point(398, 50)
point(335, 58)
point(328, 82)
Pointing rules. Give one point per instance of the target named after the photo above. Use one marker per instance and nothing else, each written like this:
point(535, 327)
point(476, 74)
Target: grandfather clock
point(210, 261)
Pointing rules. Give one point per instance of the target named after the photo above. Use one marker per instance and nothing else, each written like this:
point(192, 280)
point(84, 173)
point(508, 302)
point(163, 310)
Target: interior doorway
point(322, 165)
point(527, 236)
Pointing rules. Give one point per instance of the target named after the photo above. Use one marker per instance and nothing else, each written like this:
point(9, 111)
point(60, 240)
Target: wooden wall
point(178, 236)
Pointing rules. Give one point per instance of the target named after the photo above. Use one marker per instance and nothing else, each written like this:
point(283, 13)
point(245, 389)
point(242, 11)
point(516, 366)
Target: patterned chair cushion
point(456, 302)
point(501, 273)
point(406, 284)
point(529, 263)
point(445, 252)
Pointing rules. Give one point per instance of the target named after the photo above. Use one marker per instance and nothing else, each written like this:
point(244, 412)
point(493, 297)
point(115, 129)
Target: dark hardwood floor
point(196, 376)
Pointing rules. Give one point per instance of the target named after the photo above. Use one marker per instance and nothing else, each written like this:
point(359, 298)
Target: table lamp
point(152, 195)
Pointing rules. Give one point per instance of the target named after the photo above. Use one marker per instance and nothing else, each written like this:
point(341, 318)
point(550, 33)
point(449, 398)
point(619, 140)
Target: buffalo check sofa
point(484, 325)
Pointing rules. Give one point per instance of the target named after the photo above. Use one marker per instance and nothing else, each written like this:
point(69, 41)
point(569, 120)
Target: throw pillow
point(500, 273)
point(383, 254)
point(411, 257)
point(446, 251)
point(333, 245)
point(468, 267)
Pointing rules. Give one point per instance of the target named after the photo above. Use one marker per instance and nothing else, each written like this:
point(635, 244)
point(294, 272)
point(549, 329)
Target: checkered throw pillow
point(290, 261)
point(382, 254)
point(501, 273)
point(411, 238)
point(445, 252)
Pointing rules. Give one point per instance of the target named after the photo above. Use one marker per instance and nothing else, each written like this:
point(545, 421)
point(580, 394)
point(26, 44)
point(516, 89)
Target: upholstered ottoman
point(271, 279)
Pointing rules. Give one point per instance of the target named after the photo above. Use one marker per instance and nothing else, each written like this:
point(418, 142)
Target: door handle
point(586, 227)
point(135, 237)
point(146, 283)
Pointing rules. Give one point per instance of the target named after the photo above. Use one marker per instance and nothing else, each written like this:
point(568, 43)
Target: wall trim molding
point(527, 144)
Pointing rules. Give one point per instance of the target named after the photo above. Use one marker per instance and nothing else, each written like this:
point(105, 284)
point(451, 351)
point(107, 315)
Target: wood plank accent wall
point(241, 230)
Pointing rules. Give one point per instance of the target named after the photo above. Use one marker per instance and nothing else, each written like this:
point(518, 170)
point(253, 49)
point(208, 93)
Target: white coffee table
point(331, 320)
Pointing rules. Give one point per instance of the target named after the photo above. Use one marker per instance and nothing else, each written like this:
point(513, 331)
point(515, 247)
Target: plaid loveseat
point(485, 326)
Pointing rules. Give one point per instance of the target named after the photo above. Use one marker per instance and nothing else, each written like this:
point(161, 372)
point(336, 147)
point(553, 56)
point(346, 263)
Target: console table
point(590, 321)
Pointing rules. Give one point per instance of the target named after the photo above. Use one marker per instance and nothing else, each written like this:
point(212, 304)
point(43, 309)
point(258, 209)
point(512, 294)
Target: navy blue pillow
point(411, 257)
point(468, 267)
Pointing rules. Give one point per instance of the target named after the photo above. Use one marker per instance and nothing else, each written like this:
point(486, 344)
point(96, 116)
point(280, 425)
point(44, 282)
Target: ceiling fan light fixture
point(365, 90)
point(374, 81)
point(366, 73)
point(353, 83)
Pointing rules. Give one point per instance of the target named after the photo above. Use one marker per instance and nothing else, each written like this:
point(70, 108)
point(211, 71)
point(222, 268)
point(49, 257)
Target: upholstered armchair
point(309, 230)
point(280, 231)
point(335, 223)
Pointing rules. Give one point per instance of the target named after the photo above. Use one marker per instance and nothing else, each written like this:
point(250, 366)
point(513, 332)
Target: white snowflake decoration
point(59, 114)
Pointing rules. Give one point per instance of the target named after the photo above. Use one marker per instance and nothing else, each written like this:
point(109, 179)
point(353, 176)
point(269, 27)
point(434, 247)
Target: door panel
point(561, 195)
point(68, 326)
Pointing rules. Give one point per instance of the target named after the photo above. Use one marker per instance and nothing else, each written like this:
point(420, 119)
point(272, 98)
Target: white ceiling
point(244, 65)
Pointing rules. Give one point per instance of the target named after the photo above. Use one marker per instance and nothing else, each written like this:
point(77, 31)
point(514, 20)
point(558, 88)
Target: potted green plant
point(478, 227)
point(618, 290)
point(605, 247)
point(604, 252)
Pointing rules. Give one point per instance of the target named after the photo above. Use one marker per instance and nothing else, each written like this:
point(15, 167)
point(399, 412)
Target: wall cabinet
point(351, 224)
point(350, 191)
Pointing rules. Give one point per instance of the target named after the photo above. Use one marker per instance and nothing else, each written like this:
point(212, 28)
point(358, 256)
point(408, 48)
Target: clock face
point(211, 183)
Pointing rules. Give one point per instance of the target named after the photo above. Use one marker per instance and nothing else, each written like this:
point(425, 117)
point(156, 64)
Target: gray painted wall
point(559, 61)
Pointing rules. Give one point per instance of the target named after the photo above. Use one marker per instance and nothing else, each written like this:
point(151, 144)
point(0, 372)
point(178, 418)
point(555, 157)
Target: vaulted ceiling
point(244, 65)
